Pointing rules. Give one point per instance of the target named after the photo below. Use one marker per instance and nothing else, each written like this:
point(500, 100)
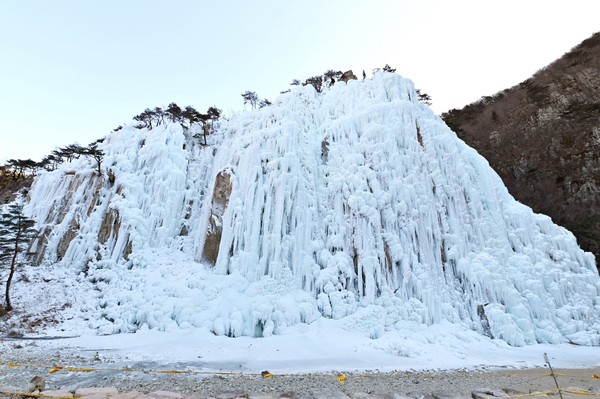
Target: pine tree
point(264, 103)
point(191, 115)
point(159, 115)
point(59, 155)
point(316, 82)
point(250, 97)
point(146, 118)
point(423, 97)
point(93, 151)
point(173, 112)
point(20, 167)
point(49, 162)
point(214, 113)
point(16, 231)
point(331, 76)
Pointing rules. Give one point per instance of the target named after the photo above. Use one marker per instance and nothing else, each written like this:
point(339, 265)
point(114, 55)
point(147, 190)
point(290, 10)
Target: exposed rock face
point(79, 196)
point(348, 75)
point(66, 239)
point(220, 199)
point(543, 138)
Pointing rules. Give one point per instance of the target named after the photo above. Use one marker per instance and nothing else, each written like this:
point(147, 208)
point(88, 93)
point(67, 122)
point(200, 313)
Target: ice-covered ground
point(321, 347)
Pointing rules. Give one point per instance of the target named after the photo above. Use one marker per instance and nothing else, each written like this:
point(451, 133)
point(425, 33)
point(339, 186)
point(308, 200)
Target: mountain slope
point(356, 204)
point(543, 138)
point(9, 187)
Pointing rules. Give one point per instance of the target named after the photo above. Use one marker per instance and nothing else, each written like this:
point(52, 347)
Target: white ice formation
point(355, 204)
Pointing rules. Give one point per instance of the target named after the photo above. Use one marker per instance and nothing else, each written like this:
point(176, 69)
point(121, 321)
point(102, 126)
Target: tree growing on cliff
point(146, 119)
point(16, 231)
point(173, 112)
point(423, 97)
point(250, 97)
point(214, 113)
point(49, 162)
point(191, 115)
point(316, 82)
point(20, 167)
point(264, 103)
point(330, 76)
point(97, 154)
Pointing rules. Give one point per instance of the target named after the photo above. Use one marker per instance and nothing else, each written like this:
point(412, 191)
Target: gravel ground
point(19, 365)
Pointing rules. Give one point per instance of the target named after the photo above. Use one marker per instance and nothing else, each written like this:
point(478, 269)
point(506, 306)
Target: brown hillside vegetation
point(543, 138)
point(9, 187)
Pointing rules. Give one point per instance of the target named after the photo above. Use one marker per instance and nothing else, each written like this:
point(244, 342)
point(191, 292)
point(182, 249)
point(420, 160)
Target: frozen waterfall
point(356, 204)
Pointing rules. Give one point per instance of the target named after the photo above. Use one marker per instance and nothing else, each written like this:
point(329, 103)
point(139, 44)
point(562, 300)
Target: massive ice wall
point(342, 204)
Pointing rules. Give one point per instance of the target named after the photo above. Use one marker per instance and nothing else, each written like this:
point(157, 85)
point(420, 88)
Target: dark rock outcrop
point(543, 138)
point(348, 75)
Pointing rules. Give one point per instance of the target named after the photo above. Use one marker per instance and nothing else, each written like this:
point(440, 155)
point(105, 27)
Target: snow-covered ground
point(321, 347)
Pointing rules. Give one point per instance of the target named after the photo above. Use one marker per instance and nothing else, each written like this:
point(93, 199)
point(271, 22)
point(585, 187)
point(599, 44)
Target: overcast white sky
point(72, 70)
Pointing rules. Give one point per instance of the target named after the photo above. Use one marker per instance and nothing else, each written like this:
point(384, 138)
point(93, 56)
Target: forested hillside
point(543, 138)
